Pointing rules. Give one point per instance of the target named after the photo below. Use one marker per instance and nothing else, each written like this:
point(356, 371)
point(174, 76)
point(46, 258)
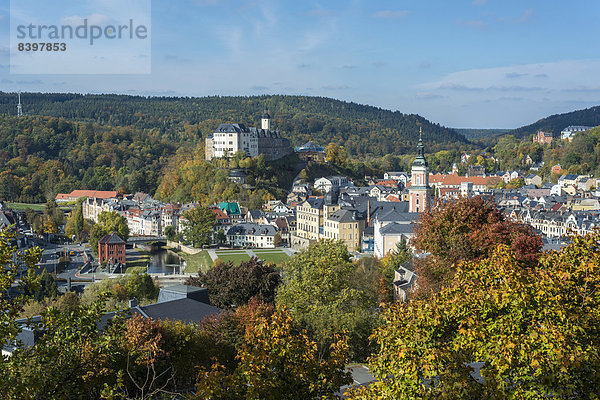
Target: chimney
point(368, 212)
point(133, 303)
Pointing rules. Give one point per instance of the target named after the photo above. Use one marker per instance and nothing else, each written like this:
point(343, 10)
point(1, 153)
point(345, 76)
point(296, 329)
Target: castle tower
point(265, 122)
point(419, 193)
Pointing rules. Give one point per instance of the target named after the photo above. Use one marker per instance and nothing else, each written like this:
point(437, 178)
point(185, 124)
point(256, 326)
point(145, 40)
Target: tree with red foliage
point(468, 229)
point(231, 286)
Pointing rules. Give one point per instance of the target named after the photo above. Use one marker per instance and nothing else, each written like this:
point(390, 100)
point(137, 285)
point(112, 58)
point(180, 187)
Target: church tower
point(265, 122)
point(419, 193)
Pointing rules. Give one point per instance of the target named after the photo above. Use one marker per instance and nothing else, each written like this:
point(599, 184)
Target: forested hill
point(558, 122)
point(362, 130)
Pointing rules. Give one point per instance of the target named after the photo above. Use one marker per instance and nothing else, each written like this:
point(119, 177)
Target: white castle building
point(228, 139)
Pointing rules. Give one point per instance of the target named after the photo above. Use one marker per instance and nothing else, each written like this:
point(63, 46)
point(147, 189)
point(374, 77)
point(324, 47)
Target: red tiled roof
point(456, 180)
point(219, 214)
point(99, 194)
point(113, 238)
point(389, 183)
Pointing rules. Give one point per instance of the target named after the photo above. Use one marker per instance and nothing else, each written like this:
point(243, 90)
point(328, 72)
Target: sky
point(468, 64)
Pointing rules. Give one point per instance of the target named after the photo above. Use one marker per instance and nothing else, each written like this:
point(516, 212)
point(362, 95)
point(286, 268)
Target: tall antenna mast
point(19, 107)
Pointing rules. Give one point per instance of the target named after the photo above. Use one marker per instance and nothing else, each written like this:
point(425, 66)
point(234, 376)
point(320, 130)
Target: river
point(166, 262)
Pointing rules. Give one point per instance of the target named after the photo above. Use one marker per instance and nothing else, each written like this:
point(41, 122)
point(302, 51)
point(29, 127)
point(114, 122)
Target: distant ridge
point(363, 130)
point(557, 122)
point(480, 133)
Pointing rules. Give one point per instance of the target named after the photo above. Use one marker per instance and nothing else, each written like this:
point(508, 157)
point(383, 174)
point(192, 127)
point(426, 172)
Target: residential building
point(309, 218)
point(388, 234)
point(476, 170)
point(346, 225)
point(542, 137)
point(586, 184)
point(405, 280)
point(111, 249)
point(250, 234)
point(399, 176)
point(568, 180)
point(329, 183)
point(76, 194)
point(533, 179)
point(311, 152)
point(569, 132)
point(232, 209)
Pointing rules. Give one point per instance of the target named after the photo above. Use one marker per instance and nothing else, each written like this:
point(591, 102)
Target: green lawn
point(196, 262)
point(131, 269)
point(23, 206)
point(34, 207)
point(276, 256)
point(137, 262)
point(235, 258)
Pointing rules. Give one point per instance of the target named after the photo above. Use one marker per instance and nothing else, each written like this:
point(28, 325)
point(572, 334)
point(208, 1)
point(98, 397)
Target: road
point(52, 252)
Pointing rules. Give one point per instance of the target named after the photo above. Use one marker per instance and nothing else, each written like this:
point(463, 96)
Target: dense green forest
point(581, 156)
point(480, 133)
point(42, 156)
point(362, 130)
point(155, 145)
point(558, 122)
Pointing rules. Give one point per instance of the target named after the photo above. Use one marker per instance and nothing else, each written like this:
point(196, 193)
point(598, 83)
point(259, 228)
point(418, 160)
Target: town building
point(399, 176)
point(111, 249)
point(542, 137)
point(311, 152)
point(309, 218)
point(347, 226)
point(250, 234)
point(476, 170)
point(90, 194)
point(569, 132)
point(329, 183)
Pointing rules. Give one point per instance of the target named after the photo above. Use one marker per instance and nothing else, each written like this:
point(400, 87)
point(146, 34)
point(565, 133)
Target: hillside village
point(369, 220)
point(374, 218)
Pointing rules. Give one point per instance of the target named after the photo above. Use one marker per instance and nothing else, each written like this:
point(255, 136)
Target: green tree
point(108, 222)
point(335, 155)
point(467, 229)
point(12, 262)
point(170, 232)
point(46, 288)
point(277, 239)
point(319, 285)
point(53, 216)
point(76, 225)
point(71, 360)
point(140, 285)
point(533, 331)
point(199, 225)
point(221, 237)
point(278, 361)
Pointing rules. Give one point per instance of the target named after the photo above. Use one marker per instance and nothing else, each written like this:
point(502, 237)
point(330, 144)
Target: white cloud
point(559, 75)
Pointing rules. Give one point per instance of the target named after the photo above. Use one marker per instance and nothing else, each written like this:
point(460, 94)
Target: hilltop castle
point(228, 139)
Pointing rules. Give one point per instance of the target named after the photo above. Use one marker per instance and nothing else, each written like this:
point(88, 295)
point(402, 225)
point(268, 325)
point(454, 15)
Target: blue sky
point(473, 63)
